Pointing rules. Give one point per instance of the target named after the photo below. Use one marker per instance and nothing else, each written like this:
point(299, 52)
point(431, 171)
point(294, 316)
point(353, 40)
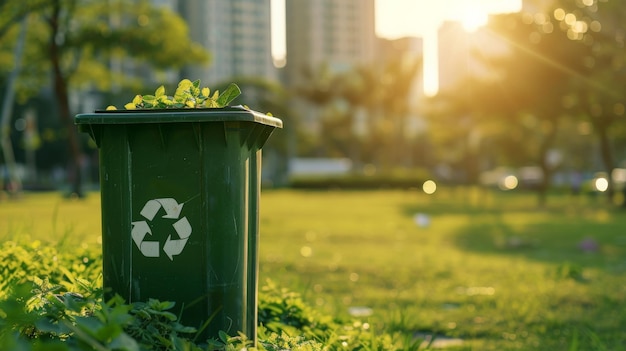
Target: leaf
point(166, 305)
point(223, 336)
point(194, 89)
point(229, 95)
point(210, 103)
point(90, 325)
point(184, 84)
point(181, 96)
point(47, 325)
point(169, 315)
point(137, 100)
point(164, 99)
point(160, 91)
point(124, 342)
point(144, 314)
point(188, 95)
point(215, 344)
point(184, 329)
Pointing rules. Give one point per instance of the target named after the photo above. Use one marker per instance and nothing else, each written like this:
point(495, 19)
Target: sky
point(399, 18)
point(417, 18)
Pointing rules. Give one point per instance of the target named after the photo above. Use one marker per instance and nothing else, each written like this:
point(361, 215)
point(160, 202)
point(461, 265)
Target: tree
point(315, 94)
point(454, 124)
point(76, 41)
point(600, 27)
point(393, 95)
point(15, 11)
point(520, 107)
point(362, 112)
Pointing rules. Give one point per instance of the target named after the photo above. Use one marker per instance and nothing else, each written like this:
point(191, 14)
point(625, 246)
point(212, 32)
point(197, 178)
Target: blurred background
point(373, 93)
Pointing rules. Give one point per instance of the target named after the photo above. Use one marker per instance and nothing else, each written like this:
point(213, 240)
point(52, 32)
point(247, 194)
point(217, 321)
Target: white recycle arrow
point(172, 247)
point(147, 248)
point(172, 208)
point(176, 246)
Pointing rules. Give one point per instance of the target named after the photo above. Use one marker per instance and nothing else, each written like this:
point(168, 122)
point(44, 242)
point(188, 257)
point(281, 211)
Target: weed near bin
point(52, 300)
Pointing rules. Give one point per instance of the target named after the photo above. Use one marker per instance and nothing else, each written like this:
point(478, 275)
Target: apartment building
point(338, 33)
point(237, 33)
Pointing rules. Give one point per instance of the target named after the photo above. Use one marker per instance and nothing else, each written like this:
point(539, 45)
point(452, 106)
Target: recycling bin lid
point(138, 116)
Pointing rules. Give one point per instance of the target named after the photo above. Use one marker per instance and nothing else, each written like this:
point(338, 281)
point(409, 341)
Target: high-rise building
point(237, 33)
point(338, 33)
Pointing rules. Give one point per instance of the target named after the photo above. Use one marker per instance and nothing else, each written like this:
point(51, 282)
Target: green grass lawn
point(490, 268)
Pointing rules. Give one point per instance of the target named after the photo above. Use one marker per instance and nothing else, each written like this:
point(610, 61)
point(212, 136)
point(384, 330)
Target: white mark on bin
point(172, 246)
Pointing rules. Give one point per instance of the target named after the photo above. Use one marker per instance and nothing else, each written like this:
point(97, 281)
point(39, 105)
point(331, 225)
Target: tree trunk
point(607, 156)
point(59, 86)
point(546, 167)
point(15, 183)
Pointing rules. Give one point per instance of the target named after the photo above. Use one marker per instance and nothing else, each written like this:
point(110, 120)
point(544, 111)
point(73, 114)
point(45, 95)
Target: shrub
point(399, 179)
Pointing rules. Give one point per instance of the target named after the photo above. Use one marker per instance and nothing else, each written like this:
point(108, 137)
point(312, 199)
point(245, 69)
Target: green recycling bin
point(180, 210)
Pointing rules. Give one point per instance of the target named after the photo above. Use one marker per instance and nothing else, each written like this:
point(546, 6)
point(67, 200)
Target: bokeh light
point(429, 187)
point(306, 251)
point(601, 184)
point(509, 182)
point(354, 277)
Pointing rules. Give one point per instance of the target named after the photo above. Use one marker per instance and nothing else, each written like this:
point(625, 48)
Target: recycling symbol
point(173, 246)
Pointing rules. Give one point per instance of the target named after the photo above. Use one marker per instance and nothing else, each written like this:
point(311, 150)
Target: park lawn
point(489, 268)
point(52, 217)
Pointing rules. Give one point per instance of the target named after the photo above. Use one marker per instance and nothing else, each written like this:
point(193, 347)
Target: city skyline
point(406, 18)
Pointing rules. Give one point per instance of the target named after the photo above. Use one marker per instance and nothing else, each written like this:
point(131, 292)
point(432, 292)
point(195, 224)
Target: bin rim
point(144, 116)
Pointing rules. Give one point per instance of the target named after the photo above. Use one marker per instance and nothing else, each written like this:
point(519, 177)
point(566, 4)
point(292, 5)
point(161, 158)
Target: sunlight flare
point(474, 18)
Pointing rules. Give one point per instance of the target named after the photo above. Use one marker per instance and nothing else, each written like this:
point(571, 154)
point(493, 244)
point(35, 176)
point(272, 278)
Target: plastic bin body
point(180, 199)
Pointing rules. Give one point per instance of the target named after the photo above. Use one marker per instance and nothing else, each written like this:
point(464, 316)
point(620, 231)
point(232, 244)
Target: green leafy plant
point(188, 95)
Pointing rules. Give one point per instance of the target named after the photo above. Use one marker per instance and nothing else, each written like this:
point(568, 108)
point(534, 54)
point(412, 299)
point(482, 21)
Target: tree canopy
point(564, 70)
point(87, 45)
